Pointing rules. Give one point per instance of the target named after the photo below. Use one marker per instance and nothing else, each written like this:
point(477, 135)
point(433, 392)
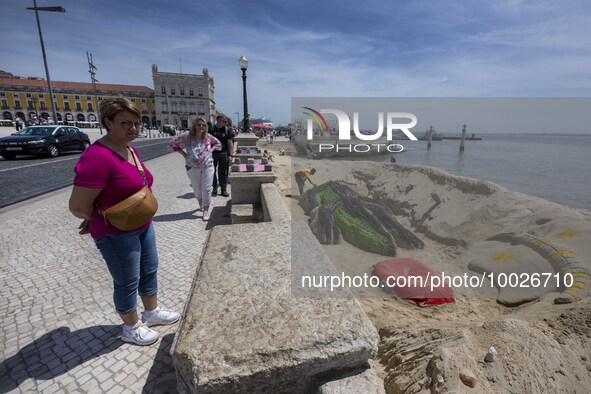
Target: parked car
point(169, 129)
point(43, 140)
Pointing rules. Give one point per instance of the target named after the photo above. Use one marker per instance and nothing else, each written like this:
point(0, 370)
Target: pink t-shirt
point(100, 167)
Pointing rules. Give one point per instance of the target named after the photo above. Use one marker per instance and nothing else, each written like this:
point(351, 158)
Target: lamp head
point(243, 62)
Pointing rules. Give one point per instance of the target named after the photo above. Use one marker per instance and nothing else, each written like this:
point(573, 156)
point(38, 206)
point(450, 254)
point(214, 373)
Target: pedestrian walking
point(18, 123)
point(198, 146)
point(107, 173)
point(222, 158)
point(309, 152)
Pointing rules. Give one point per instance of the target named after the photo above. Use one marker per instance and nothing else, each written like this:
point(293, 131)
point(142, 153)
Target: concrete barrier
point(246, 186)
point(244, 331)
point(273, 208)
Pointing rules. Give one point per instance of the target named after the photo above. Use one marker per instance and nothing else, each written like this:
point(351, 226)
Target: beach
point(542, 333)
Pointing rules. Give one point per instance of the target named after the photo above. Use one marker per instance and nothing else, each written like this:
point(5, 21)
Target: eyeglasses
point(126, 124)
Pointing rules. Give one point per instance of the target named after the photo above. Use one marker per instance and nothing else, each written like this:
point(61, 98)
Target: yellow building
point(28, 99)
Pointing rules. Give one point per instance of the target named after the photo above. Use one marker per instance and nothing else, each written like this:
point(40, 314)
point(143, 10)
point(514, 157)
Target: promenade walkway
point(58, 328)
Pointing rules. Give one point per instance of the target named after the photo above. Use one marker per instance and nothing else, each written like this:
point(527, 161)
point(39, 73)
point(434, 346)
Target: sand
point(542, 345)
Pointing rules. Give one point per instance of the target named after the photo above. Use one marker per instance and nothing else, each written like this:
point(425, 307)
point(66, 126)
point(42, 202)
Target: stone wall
point(244, 330)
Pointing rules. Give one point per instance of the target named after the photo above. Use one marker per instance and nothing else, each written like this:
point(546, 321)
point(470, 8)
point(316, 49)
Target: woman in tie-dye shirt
point(198, 146)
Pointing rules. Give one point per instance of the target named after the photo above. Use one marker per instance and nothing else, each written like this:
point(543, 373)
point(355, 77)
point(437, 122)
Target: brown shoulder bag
point(135, 210)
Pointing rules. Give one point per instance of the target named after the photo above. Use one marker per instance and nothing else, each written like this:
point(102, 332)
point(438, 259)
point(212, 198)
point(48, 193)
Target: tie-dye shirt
point(198, 151)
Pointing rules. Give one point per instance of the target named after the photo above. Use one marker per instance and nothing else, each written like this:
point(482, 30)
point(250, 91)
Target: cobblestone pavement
point(58, 328)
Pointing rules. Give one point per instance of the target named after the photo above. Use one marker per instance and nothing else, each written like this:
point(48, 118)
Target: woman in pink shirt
point(106, 174)
point(199, 145)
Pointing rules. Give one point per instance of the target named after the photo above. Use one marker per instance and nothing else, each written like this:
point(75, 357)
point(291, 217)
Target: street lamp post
point(50, 9)
point(91, 70)
point(243, 66)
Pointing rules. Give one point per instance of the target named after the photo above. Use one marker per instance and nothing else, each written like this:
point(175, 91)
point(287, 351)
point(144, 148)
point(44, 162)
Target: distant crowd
point(20, 124)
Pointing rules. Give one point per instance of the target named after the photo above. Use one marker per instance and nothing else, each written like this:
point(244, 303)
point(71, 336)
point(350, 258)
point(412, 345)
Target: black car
point(43, 140)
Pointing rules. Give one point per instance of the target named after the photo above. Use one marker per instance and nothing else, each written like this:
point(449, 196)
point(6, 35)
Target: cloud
point(346, 48)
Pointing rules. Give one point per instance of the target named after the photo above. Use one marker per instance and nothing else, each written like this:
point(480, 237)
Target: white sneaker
point(205, 216)
point(140, 334)
point(162, 317)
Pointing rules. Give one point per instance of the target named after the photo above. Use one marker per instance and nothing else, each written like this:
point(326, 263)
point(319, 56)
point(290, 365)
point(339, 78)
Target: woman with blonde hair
point(198, 146)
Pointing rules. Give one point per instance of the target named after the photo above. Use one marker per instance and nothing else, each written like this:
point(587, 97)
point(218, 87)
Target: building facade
point(28, 99)
point(179, 98)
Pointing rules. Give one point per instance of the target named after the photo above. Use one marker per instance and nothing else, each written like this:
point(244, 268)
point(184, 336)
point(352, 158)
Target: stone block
point(246, 140)
point(246, 186)
point(245, 157)
point(274, 210)
point(242, 329)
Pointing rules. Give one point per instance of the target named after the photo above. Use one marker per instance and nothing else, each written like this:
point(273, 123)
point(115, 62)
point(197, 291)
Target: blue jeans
point(132, 259)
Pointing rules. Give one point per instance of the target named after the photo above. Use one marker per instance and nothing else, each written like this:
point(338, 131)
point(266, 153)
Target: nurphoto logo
point(344, 130)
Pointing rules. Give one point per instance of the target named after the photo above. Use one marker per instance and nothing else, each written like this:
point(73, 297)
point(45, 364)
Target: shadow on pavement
point(220, 216)
point(171, 217)
point(57, 352)
point(187, 196)
point(162, 376)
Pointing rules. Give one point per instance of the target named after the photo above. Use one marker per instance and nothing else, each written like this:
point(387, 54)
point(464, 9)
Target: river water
point(554, 167)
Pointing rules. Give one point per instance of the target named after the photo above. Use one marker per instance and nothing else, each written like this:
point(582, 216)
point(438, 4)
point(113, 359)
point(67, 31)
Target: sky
point(347, 48)
point(447, 115)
